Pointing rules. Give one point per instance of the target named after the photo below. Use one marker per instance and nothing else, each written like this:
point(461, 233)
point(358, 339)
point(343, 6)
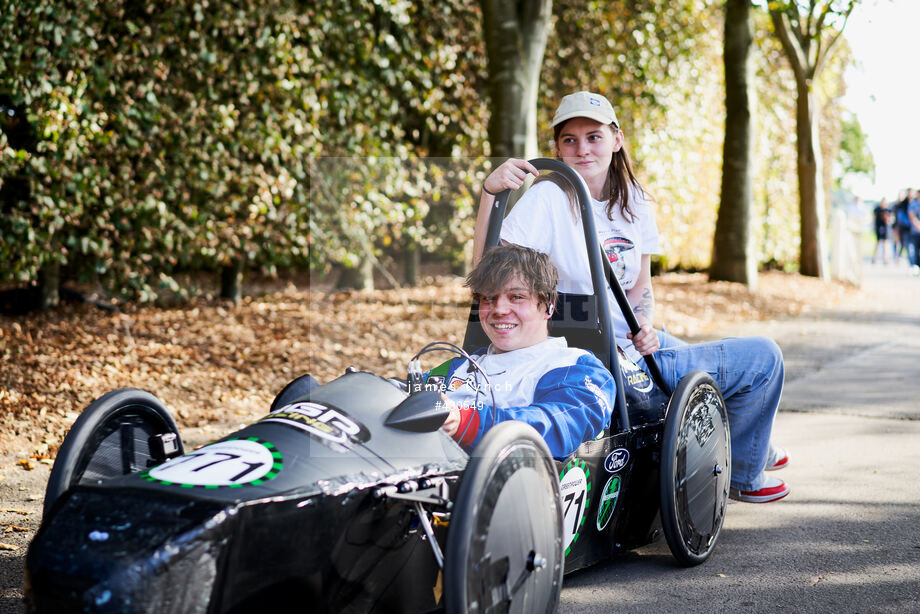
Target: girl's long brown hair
point(616, 188)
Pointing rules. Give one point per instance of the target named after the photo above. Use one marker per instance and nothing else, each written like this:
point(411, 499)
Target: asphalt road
point(847, 539)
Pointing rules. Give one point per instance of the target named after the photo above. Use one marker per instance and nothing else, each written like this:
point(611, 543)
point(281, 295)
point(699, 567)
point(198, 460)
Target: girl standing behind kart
point(748, 370)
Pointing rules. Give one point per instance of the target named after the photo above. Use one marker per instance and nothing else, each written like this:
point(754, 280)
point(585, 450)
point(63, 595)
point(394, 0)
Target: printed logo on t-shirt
point(616, 247)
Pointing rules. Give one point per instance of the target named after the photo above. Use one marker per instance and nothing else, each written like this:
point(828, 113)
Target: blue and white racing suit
point(565, 393)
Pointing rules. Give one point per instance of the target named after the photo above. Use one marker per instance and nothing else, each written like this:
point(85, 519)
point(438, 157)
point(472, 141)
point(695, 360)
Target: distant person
point(902, 224)
point(846, 254)
point(895, 234)
point(882, 222)
point(913, 216)
point(857, 224)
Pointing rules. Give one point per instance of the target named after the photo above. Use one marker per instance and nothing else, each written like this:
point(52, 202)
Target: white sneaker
point(778, 459)
point(773, 489)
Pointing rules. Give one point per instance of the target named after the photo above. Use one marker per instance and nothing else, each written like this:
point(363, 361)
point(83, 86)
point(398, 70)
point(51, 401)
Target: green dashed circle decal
point(232, 463)
point(575, 490)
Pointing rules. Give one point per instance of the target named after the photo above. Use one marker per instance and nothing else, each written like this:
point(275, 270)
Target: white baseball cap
point(585, 104)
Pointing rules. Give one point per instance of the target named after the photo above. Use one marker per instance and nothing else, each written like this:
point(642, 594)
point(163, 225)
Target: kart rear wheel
point(112, 437)
point(695, 468)
point(504, 545)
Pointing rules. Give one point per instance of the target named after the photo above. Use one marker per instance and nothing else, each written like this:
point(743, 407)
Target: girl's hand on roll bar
point(510, 175)
point(646, 340)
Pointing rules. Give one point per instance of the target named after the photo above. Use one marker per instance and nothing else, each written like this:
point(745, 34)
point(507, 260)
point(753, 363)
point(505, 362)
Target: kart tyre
point(110, 438)
point(504, 545)
point(695, 468)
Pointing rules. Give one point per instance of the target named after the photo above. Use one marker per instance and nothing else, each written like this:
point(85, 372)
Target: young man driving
point(565, 393)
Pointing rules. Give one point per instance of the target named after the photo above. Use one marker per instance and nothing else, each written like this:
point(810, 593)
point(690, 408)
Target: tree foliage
point(399, 88)
point(169, 136)
point(855, 155)
point(776, 196)
point(142, 140)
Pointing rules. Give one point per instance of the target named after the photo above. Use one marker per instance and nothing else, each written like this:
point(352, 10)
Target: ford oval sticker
point(616, 460)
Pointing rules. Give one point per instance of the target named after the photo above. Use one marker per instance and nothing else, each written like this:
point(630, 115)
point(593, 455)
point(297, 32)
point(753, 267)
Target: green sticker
point(608, 502)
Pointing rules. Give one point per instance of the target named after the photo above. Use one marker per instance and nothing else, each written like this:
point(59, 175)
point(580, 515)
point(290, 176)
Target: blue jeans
point(749, 372)
point(913, 248)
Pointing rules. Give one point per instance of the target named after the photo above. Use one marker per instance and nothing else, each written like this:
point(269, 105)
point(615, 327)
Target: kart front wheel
point(504, 545)
point(117, 434)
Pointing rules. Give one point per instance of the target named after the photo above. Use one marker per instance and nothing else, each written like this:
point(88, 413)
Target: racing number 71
point(569, 499)
point(227, 456)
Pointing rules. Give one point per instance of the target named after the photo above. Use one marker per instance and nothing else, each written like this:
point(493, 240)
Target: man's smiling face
point(513, 318)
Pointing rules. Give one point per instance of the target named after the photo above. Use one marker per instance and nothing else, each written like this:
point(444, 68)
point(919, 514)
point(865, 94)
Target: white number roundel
point(231, 463)
point(574, 489)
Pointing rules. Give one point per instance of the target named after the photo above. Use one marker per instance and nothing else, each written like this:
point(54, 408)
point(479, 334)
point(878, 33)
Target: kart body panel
point(186, 537)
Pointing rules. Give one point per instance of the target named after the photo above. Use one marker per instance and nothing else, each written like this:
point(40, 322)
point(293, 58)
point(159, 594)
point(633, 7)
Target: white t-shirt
point(542, 220)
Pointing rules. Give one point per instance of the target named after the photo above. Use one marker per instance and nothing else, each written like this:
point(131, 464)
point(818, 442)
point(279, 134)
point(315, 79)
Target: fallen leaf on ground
point(14, 528)
point(8, 546)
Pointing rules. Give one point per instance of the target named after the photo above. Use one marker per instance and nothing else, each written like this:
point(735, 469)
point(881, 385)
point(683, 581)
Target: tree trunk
point(460, 267)
point(515, 33)
point(733, 257)
point(413, 263)
point(49, 285)
point(231, 280)
point(808, 39)
point(360, 277)
point(812, 205)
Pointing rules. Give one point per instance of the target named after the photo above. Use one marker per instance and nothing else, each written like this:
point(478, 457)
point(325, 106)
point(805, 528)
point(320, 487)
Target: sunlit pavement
point(847, 539)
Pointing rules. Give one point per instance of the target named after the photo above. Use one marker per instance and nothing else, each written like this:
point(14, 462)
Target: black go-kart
point(348, 497)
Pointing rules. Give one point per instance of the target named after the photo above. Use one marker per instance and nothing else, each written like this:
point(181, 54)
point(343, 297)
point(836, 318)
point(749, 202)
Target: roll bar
point(601, 271)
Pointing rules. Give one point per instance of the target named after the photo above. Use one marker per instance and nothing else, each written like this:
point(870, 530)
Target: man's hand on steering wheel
point(452, 423)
